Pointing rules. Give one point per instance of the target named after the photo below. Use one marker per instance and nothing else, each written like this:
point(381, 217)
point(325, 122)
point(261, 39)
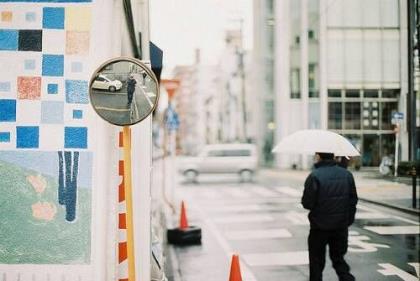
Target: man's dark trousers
point(130, 96)
point(337, 243)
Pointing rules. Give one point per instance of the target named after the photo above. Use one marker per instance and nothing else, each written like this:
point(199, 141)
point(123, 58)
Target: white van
point(222, 158)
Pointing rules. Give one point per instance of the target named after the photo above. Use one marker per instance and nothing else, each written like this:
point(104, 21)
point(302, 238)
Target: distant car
point(104, 83)
point(221, 158)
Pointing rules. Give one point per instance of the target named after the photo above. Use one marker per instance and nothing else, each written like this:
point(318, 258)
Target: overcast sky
point(180, 26)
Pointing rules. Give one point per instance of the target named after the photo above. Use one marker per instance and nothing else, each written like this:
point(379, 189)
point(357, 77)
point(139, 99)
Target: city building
point(263, 56)
point(339, 65)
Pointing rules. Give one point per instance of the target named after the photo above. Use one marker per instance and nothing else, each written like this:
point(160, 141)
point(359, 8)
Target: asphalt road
point(112, 106)
point(265, 224)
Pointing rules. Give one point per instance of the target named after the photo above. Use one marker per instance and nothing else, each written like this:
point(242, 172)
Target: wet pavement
point(265, 224)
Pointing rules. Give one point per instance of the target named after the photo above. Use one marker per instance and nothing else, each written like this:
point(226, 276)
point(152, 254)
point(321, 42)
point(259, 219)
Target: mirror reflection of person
point(131, 87)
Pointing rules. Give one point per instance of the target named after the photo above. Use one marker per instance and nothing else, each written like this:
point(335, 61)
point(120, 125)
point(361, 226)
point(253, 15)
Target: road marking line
point(147, 98)
point(247, 274)
point(235, 208)
point(258, 234)
point(393, 230)
point(112, 109)
point(238, 193)
point(297, 218)
point(369, 215)
point(264, 192)
point(406, 220)
point(278, 259)
point(392, 270)
point(289, 191)
point(244, 218)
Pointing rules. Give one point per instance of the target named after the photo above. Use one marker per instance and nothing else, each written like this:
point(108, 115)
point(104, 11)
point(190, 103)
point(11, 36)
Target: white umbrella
point(311, 141)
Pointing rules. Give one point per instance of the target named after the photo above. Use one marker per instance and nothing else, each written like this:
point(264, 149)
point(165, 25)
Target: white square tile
point(51, 137)
point(28, 112)
point(75, 68)
point(37, 63)
point(53, 41)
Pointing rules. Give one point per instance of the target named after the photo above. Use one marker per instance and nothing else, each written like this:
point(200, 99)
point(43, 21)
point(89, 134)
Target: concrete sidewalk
point(371, 187)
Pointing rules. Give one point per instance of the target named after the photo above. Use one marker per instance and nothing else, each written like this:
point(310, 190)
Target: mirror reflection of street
point(123, 93)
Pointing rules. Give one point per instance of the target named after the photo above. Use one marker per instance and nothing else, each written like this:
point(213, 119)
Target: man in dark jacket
point(330, 195)
point(131, 87)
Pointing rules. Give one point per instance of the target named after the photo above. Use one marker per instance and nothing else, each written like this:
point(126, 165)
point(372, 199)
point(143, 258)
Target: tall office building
point(341, 65)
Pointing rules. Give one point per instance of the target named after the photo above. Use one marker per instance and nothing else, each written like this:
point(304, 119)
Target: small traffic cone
point(185, 234)
point(183, 222)
point(235, 269)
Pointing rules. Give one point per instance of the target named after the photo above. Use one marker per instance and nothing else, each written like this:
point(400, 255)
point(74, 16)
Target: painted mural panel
point(45, 154)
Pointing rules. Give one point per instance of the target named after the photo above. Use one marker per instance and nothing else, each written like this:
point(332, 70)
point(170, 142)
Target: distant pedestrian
point(131, 87)
point(343, 161)
point(330, 195)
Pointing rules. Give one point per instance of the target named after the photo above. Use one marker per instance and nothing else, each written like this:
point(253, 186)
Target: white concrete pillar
point(282, 78)
point(323, 87)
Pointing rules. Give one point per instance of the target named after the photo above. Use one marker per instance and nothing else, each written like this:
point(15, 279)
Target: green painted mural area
point(33, 225)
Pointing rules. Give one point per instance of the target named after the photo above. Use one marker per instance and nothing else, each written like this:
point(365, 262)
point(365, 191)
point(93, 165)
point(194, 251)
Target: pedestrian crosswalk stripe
point(238, 193)
point(235, 208)
point(393, 230)
point(298, 218)
point(244, 218)
point(264, 192)
point(258, 234)
point(277, 259)
point(289, 191)
point(369, 215)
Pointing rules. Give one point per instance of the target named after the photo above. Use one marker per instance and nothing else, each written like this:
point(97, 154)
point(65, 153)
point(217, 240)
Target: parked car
point(104, 83)
point(221, 158)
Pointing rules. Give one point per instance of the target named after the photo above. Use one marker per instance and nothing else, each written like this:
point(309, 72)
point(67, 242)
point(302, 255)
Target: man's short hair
point(326, 156)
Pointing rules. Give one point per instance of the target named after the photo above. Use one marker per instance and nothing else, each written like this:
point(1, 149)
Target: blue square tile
point(27, 137)
point(4, 137)
point(75, 137)
point(5, 86)
point(77, 114)
point(53, 18)
point(76, 91)
point(7, 110)
point(52, 112)
point(9, 39)
point(29, 64)
point(52, 89)
point(52, 65)
point(30, 16)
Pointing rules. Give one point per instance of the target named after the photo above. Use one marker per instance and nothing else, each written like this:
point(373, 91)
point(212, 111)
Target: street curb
point(175, 270)
point(175, 265)
point(402, 209)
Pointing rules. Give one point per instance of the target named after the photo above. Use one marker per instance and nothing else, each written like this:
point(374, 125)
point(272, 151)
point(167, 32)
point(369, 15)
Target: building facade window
point(313, 80)
point(366, 116)
point(335, 115)
point(295, 84)
point(352, 115)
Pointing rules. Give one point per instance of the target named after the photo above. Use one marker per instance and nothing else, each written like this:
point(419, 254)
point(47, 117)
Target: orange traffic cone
point(183, 222)
point(235, 270)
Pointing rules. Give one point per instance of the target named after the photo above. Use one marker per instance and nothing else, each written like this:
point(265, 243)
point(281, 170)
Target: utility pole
point(411, 94)
point(243, 86)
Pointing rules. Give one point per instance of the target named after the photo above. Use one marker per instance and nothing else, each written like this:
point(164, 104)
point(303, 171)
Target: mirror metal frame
point(134, 61)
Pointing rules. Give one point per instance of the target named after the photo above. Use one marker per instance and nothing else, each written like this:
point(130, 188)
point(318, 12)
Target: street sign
point(398, 115)
point(172, 120)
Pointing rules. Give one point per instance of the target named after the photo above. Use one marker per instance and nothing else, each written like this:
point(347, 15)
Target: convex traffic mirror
point(124, 91)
